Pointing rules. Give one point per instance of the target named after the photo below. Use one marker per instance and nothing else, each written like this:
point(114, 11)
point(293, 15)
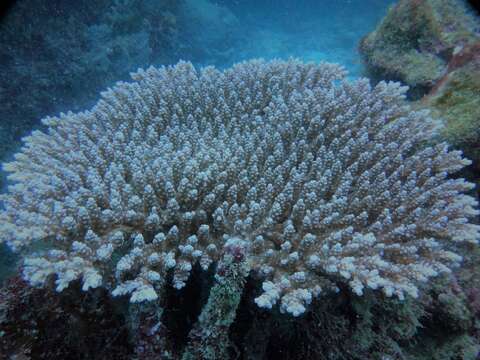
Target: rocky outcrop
point(416, 41)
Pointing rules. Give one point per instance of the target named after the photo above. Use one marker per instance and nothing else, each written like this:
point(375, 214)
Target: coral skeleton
point(321, 182)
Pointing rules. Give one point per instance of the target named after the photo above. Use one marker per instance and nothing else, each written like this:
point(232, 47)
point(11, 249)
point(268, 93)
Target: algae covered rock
point(456, 100)
point(416, 40)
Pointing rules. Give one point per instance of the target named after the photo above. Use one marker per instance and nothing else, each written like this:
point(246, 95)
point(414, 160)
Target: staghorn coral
point(315, 180)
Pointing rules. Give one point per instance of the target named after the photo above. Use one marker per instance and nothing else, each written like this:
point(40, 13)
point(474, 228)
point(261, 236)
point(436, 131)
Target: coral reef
point(415, 41)
point(324, 182)
point(209, 197)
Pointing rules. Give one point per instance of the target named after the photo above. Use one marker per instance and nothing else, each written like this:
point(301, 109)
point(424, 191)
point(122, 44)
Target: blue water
point(311, 30)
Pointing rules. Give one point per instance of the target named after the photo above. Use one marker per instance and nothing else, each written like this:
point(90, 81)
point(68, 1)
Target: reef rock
point(416, 41)
point(455, 98)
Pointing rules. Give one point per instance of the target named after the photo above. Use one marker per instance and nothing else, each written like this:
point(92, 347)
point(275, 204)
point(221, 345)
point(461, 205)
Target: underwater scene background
point(230, 288)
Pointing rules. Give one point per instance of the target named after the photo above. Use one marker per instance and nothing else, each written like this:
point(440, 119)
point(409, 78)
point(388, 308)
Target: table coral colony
point(311, 180)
